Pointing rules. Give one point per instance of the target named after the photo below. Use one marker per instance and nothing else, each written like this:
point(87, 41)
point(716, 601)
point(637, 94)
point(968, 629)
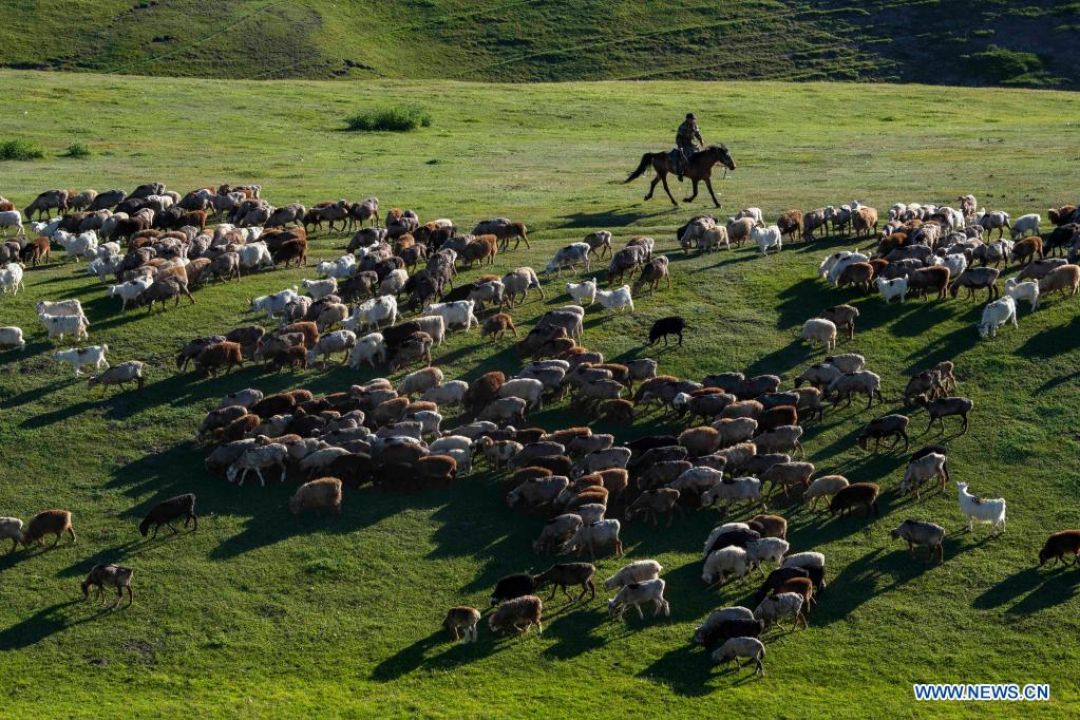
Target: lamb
point(782, 439)
point(731, 560)
point(274, 304)
point(739, 647)
point(616, 299)
point(102, 576)
point(11, 338)
point(319, 289)
point(455, 313)
point(817, 330)
point(319, 495)
point(820, 375)
point(518, 282)
point(181, 506)
point(420, 381)
point(599, 239)
point(847, 363)
point(130, 371)
point(257, 458)
point(563, 575)
point(981, 510)
point(917, 532)
point(638, 571)
point(890, 289)
point(637, 594)
point(653, 503)
point(48, 522)
point(597, 535)
point(825, 486)
point(583, 293)
point(341, 341)
point(368, 349)
point(1038, 269)
point(943, 407)
point(860, 493)
point(11, 279)
point(518, 615)
point(925, 467)
point(461, 622)
point(843, 317)
point(1057, 546)
point(527, 389)
point(1023, 291)
point(788, 475)
point(782, 605)
point(11, 529)
point(567, 258)
point(767, 237)
point(973, 279)
point(89, 356)
point(996, 314)
point(537, 492)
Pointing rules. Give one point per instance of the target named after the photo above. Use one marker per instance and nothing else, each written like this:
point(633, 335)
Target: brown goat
point(48, 522)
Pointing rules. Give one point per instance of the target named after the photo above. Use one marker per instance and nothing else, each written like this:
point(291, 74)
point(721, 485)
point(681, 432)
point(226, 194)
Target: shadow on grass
point(616, 217)
point(44, 624)
point(1031, 590)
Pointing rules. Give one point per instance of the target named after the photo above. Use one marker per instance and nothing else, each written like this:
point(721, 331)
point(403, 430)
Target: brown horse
point(698, 168)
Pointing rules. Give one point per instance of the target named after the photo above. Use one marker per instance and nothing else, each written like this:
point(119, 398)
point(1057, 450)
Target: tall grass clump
point(20, 150)
point(398, 118)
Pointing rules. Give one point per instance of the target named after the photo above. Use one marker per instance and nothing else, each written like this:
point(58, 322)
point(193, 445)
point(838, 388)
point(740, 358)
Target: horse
point(698, 168)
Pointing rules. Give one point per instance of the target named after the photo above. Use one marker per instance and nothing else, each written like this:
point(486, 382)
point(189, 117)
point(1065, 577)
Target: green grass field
point(1025, 43)
point(260, 615)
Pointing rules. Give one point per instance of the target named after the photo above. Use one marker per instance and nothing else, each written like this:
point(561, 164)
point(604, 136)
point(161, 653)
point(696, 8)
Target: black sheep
point(181, 506)
point(671, 325)
point(727, 629)
point(778, 577)
point(738, 538)
point(513, 586)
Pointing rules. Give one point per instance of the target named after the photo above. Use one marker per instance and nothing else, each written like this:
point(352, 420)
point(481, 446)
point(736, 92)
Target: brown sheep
point(790, 223)
point(1065, 277)
point(859, 274)
point(927, 279)
point(214, 357)
point(48, 522)
point(497, 325)
point(1060, 544)
point(861, 493)
point(518, 615)
point(237, 429)
point(483, 390)
point(864, 221)
point(617, 412)
point(323, 494)
point(462, 618)
point(769, 526)
point(653, 503)
point(308, 329)
point(777, 416)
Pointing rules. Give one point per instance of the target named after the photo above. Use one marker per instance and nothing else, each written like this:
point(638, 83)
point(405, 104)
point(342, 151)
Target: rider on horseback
point(684, 140)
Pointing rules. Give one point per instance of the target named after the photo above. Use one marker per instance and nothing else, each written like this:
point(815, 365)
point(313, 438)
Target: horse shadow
point(619, 217)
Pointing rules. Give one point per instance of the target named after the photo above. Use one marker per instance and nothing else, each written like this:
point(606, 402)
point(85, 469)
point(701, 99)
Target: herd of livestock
point(391, 299)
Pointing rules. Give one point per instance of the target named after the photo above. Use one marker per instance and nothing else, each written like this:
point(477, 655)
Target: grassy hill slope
point(259, 615)
point(967, 42)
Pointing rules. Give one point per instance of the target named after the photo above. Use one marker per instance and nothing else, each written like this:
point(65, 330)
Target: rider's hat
point(690, 116)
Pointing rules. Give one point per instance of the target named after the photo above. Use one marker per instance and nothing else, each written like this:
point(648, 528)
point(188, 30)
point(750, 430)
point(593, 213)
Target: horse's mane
point(721, 146)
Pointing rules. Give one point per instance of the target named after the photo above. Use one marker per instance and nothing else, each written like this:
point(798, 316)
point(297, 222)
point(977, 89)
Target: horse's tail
point(641, 168)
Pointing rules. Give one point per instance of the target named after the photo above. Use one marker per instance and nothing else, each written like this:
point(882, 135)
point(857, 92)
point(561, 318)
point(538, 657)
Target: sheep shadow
point(576, 632)
point(946, 347)
point(1031, 590)
point(785, 359)
point(44, 624)
point(793, 301)
point(921, 315)
point(687, 671)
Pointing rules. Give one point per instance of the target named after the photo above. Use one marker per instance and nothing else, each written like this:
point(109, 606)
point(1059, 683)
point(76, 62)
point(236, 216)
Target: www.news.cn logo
point(992, 692)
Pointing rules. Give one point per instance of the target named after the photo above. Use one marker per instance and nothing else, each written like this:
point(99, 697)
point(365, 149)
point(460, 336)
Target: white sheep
point(130, 291)
point(11, 529)
point(11, 279)
point(258, 458)
point(12, 219)
point(766, 549)
point(830, 261)
point(420, 381)
point(818, 330)
point(340, 269)
point(90, 356)
point(775, 608)
point(731, 560)
point(957, 263)
point(838, 267)
point(11, 338)
point(1023, 291)
point(719, 616)
point(254, 256)
point(740, 488)
point(528, 389)
point(995, 314)
point(636, 572)
point(1026, 224)
point(808, 559)
point(599, 534)
point(767, 237)
point(636, 595)
point(825, 486)
point(429, 422)
point(455, 313)
point(338, 341)
point(58, 326)
point(318, 289)
point(739, 647)
point(373, 313)
point(891, 289)
point(583, 293)
point(274, 304)
point(616, 299)
point(368, 349)
point(448, 394)
point(978, 509)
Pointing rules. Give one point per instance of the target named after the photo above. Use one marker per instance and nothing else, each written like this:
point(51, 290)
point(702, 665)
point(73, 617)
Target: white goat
point(1023, 291)
point(637, 594)
point(996, 314)
point(767, 237)
point(977, 509)
point(583, 293)
point(895, 288)
point(616, 299)
point(90, 356)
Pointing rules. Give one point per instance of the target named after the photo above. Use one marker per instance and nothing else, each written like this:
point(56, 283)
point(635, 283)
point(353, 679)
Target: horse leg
point(663, 179)
point(652, 186)
point(693, 194)
point(708, 184)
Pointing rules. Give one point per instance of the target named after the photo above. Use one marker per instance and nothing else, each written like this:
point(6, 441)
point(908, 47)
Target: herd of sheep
point(390, 301)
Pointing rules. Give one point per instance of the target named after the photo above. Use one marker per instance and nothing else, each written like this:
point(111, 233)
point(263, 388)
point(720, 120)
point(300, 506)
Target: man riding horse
point(684, 140)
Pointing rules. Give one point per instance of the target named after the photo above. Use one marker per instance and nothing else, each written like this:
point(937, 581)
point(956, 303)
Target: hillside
point(959, 42)
point(260, 615)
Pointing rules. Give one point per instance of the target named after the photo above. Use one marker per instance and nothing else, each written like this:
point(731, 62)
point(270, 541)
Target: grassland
point(961, 42)
point(258, 615)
